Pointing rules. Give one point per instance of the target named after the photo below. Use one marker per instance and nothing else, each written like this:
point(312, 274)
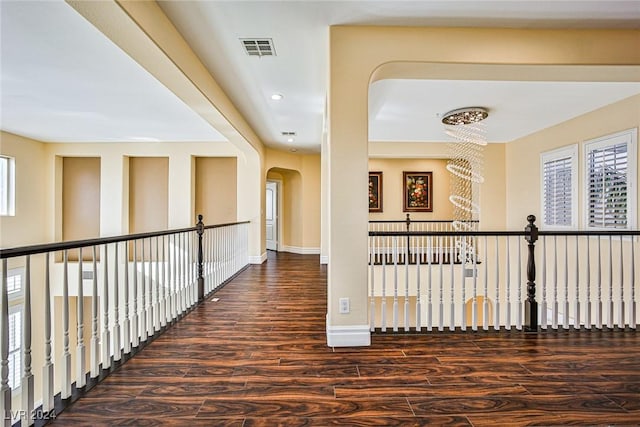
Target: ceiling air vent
point(288, 134)
point(258, 47)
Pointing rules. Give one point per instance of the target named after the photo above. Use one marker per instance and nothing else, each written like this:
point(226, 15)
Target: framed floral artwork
point(375, 191)
point(418, 191)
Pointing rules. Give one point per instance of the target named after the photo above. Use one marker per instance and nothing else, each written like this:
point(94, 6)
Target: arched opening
point(284, 212)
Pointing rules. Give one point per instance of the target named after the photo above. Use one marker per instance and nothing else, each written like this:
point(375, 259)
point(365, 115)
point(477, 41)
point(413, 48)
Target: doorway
point(271, 215)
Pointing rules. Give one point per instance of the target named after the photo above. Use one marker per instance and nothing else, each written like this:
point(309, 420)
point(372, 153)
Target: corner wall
point(523, 156)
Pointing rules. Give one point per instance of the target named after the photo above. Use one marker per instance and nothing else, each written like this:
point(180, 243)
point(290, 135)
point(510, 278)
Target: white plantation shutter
point(610, 180)
point(559, 184)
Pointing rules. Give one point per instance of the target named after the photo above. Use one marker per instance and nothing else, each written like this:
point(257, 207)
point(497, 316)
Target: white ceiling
point(299, 30)
point(407, 111)
point(62, 80)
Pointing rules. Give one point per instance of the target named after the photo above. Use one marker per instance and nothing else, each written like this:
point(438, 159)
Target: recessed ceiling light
point(289, 139)
point(277, 96)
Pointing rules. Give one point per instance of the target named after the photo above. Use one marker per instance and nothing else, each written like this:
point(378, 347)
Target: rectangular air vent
point(258, 47)
point(288, 133)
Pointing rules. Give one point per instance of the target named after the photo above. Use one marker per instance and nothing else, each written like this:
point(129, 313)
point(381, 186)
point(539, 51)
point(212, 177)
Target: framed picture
point(418, 191)
point(375, 191)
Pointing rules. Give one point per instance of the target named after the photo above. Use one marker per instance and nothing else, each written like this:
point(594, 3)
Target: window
point(15, 346)
point(611, 181)
point(559, 172)
point(7, 186)
point(15, 279)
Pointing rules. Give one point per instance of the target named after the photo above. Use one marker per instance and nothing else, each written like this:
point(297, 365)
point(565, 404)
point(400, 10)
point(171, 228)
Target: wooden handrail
point(74, 244)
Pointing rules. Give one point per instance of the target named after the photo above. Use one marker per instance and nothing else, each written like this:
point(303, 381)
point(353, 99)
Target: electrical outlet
point(344, 305)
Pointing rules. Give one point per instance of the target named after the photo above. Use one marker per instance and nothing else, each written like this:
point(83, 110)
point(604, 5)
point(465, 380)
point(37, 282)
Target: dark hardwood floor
point(258, 357)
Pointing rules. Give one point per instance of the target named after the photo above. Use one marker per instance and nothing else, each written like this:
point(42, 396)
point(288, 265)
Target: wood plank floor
point(258, 357)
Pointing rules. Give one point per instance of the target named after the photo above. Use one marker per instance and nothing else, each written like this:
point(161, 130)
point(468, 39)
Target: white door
point(272, 216)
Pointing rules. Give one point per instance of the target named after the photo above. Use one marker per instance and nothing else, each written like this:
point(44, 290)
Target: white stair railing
point(477, 280)
point(138, 285)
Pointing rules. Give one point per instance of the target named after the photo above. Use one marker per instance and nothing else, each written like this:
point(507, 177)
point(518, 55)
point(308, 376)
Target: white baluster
point(150, 310)
point(143, 300)
point(163, 286)
point(135, 319)
point(395, 283)
point(621, 307)
point(95, 342)
point(5, 390)
point(419, 253)
point(554, 315)
point(474, 300)
point(406, 286)
point(117, 348)
point(599, 283)
point(496, 322)
point(27, 383)
point(452, 304)
point(441, 305)
point(463, 266)
point(106, 335)
point(565, 310)
point(180, 283)
point(383, 311)
point(65, 381)
point(519, 289)
point(174, 279)
point(485, 304)
point(587, 317)
point(576, 323)
point(610, 277)
point(47, 369)
point(80, 349)
point(156, 306)
point(632, 303)
point(508, 277)
point(126, 323)
point(429, 284)
point(543, 303)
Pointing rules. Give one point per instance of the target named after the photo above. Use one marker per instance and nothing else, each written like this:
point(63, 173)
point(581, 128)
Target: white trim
point(631, 136)
point(324, 259)
point(258, 259)
point(300, 250)
point(570, 151)
point(348, 336)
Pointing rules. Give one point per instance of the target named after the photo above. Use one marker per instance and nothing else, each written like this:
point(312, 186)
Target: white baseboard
point(348, 336)
point(258, 259)
point(300, 250)
point(324, 259)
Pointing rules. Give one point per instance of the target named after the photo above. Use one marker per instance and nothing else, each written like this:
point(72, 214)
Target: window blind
point(607, 194)
point(557, 191)
point(15, 346)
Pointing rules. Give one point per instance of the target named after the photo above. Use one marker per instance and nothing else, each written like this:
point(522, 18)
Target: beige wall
point(216, 189)
point(80, 198)
point(300, 175)
point(492, 191)
point(360, 54)
point(393, 185)
point(143, 31)
point(29, 225)
point(523, 155)
point(148, 194)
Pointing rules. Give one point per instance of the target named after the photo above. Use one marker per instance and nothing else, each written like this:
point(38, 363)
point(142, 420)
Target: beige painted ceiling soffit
point(143, 31)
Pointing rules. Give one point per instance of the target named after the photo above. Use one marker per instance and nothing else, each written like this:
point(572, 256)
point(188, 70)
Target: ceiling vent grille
point(288, 134)
point(258, 47)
